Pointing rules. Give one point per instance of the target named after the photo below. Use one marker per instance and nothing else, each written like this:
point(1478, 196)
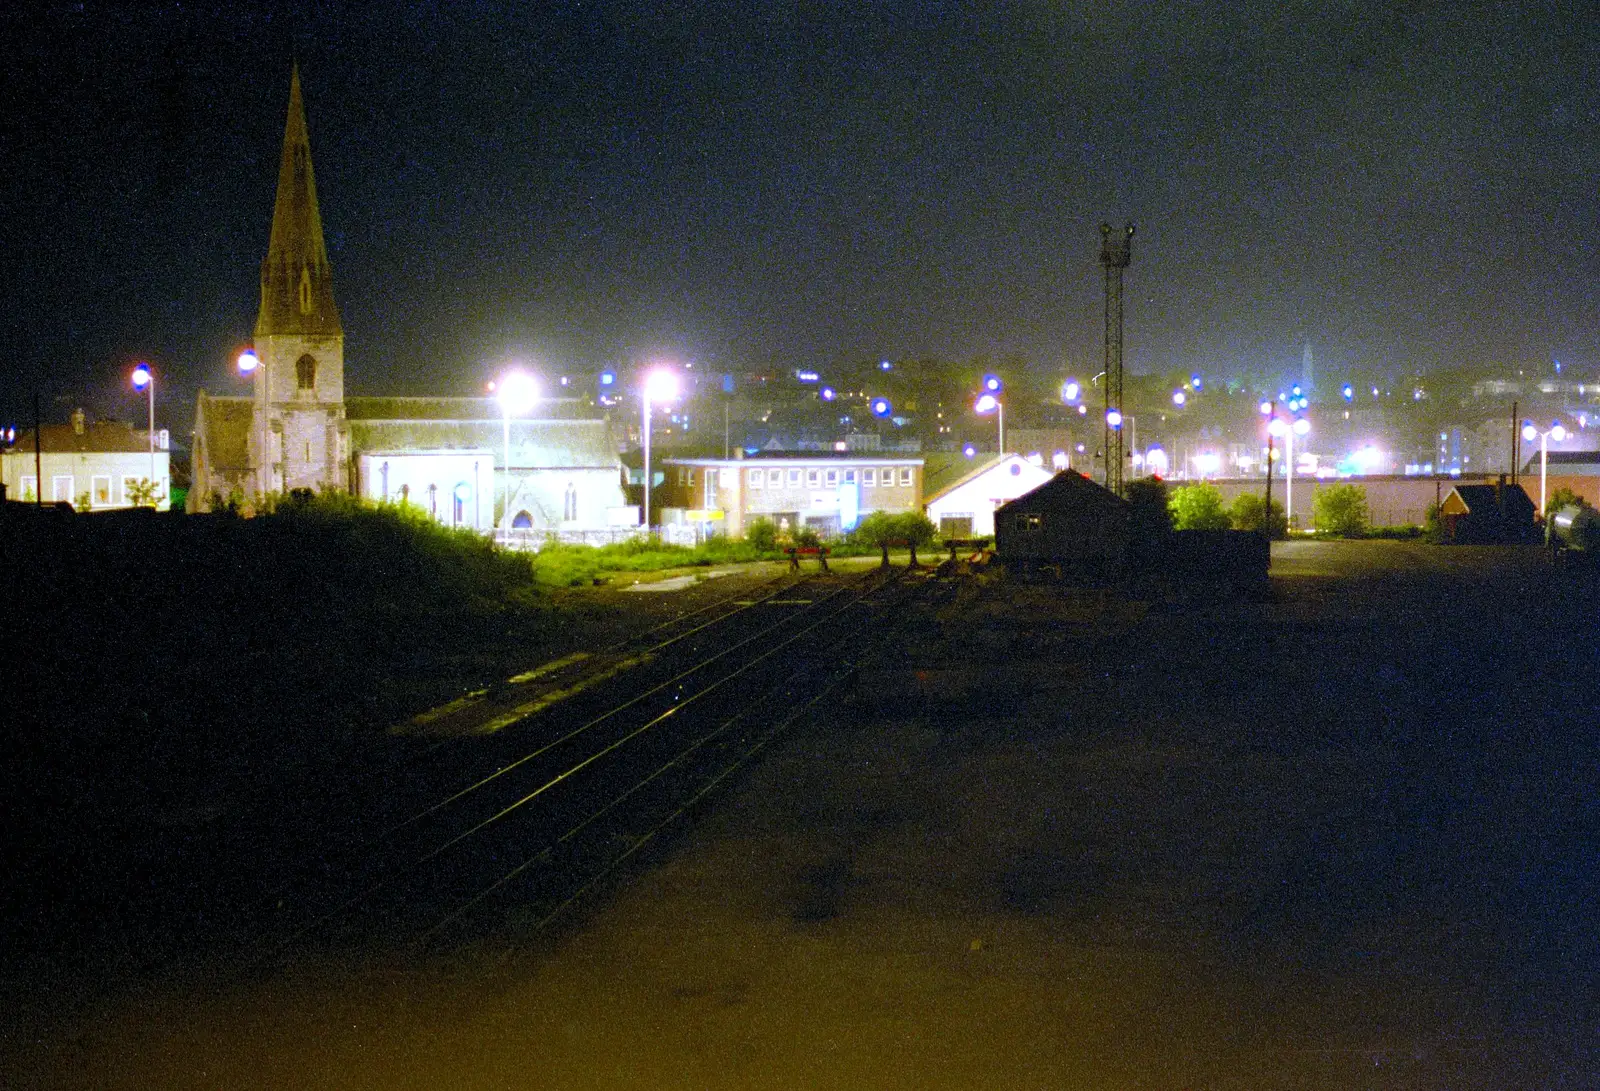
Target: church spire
point(296, 281)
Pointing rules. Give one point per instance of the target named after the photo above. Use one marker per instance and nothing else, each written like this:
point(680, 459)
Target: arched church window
point(305, 372)
point(569, 506)
point(523, 521)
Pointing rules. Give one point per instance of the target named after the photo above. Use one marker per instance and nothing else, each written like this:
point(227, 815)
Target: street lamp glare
point(988, 403)
point(248, 362)
point(1114, 418)
point(1558, 433)
point(1302, 427)
point(1529, 433)
point(661, 385)
point(517, 392)
point(142, 377)
point(1266, 409)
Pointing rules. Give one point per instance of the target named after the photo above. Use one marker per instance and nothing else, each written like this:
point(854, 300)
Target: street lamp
point(144, 379)
point(517, 391)
point(660, 385)
point(991, 403)
point(1288, 430)
point(1555, 432)
point(248, 362)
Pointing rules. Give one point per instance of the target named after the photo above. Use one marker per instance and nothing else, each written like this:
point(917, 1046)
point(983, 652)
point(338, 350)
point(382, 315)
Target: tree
point(142, 493)
point(1563, 498)
point(1197, 507)
point(877, 530)
point(763, 534)
point(917, 530)
point(1249, 512)
point(1151, 516)
point(1341, 510)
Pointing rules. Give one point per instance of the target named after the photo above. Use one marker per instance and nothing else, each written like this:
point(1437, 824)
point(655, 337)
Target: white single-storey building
point(962, 505)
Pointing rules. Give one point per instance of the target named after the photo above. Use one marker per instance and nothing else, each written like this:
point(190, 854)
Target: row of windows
point(818, 478)
point(100, 494)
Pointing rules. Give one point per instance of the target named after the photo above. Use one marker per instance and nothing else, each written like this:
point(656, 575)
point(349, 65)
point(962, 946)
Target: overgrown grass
point(560, 565)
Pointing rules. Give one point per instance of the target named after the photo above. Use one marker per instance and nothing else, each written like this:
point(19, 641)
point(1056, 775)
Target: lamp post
point(144, 379)
point(1288, 431)
point(517, 391)
point(1555, 432)
point(989, 403)
point(660, 385)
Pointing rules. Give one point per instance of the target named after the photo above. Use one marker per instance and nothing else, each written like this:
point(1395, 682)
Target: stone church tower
point(298, 434)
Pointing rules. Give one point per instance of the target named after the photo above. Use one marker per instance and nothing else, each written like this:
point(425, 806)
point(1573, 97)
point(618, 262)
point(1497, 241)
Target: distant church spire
point(296, 281)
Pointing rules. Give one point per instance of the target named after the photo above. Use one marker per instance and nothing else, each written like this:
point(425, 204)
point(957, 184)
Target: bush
point(1197, 507)
point(1341, 510)
point(762, 534)
point(1563, 498)
point(1249, 512)
point(806, 538)
point(1151, 516)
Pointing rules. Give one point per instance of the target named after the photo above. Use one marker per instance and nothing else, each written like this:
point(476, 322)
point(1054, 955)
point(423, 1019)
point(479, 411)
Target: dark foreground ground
point(1343, 838)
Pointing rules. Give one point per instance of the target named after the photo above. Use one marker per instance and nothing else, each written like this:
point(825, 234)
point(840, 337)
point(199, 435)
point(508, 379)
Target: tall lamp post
point(1288, 430)
point(1555, 432)
point(144, 379)
point(517, 391)
point(989, 402)
point(660, 385)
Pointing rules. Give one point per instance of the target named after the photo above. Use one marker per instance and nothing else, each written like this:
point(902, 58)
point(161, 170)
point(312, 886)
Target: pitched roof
point(1486, 500)
point(223, 426)
point(566, 443)
point(1067, 490)
point(97, 437)
point(296, 281)
point(942, 470)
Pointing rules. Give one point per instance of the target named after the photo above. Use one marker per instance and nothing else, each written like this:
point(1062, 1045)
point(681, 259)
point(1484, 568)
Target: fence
point(534, 540)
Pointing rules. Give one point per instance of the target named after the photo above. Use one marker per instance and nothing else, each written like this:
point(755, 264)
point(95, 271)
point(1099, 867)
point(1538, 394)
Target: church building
point(447, 455)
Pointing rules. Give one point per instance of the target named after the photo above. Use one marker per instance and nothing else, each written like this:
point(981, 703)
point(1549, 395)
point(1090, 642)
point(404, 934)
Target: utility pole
point(1114, 257)
point(1516, 444)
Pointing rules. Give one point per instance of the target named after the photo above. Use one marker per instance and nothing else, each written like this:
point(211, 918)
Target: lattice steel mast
point(1114, 257)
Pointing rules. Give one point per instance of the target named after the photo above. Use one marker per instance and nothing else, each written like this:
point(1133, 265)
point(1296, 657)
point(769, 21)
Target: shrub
point(1151, 515)
point(1341, 510)
point(1562, 498)
point(762, 534)
point(1249, 512)
point(806, 538)
point(1197, 507)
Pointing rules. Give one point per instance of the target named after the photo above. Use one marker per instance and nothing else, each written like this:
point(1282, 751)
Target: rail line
point(638, 763)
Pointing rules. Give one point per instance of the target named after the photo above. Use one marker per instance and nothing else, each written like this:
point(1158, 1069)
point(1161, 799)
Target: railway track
point(580, 769)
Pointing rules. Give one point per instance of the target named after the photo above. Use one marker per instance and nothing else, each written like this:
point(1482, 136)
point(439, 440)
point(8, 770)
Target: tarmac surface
point(1345, 837)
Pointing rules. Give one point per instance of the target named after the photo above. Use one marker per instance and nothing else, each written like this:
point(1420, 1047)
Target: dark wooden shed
point(1486, 514)
point(1068, 521)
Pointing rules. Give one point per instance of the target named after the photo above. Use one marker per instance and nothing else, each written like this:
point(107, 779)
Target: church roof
point(296, 280)
point(558, 436)
point(223, 426)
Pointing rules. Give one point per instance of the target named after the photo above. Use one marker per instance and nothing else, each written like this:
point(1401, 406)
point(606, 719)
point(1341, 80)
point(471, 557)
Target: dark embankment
point(163, 672)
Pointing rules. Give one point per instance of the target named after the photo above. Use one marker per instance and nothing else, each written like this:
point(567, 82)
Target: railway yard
point(884, 829)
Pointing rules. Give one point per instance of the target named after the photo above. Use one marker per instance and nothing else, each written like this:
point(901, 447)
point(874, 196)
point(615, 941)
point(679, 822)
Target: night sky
point(1406, 186)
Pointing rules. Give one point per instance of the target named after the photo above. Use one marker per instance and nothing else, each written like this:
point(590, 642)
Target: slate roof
point(1067, 491)
point(1482, 500)
point(223, 425)
point(944, 470)
point(98, 437)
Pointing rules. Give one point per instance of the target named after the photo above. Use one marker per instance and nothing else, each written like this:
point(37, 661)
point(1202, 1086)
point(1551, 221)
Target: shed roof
point(1486, 499)
point(1067, 491)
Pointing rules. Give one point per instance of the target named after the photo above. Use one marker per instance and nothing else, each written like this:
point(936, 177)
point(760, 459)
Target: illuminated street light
point(144, 379)
point(992, 384)
point(1556, 432)
point(989, 403)
point(661, 385)
point(1114, 418)
point(1179, 398)
point(881, 407)
point(1071, 391)
point(248, 362)
point(517, 391)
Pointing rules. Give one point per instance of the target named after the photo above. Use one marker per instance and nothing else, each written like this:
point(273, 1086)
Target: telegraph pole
point(1114, 257)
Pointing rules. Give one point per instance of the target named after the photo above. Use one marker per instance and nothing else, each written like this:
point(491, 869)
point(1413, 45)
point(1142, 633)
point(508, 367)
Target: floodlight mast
point(1115, 254)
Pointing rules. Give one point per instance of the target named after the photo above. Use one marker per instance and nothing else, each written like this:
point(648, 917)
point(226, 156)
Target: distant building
point(828, 492)
point(447, 456)
point(1487, 514)
point(92, 465)
point(1068, 521)
point(963, 496)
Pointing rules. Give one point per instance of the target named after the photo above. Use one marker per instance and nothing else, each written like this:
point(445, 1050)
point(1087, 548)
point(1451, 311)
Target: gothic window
point(305, 289)
point(305, 372)
point(569, 506)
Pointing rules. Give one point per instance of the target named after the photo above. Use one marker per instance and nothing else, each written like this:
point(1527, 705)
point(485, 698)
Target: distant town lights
point(881, 407)
point(992, 384)
point(1179, 398)
point(1070, 391)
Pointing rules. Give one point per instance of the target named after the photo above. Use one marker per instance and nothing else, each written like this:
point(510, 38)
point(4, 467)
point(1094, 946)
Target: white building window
point(833, 478)
point(869, 476)
point(813, 478)
point(794, 477)
point(61, 487)
point(905, 475)
point(102, 490)
point(774, 478)
point(755, 479)
point(849, 477)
